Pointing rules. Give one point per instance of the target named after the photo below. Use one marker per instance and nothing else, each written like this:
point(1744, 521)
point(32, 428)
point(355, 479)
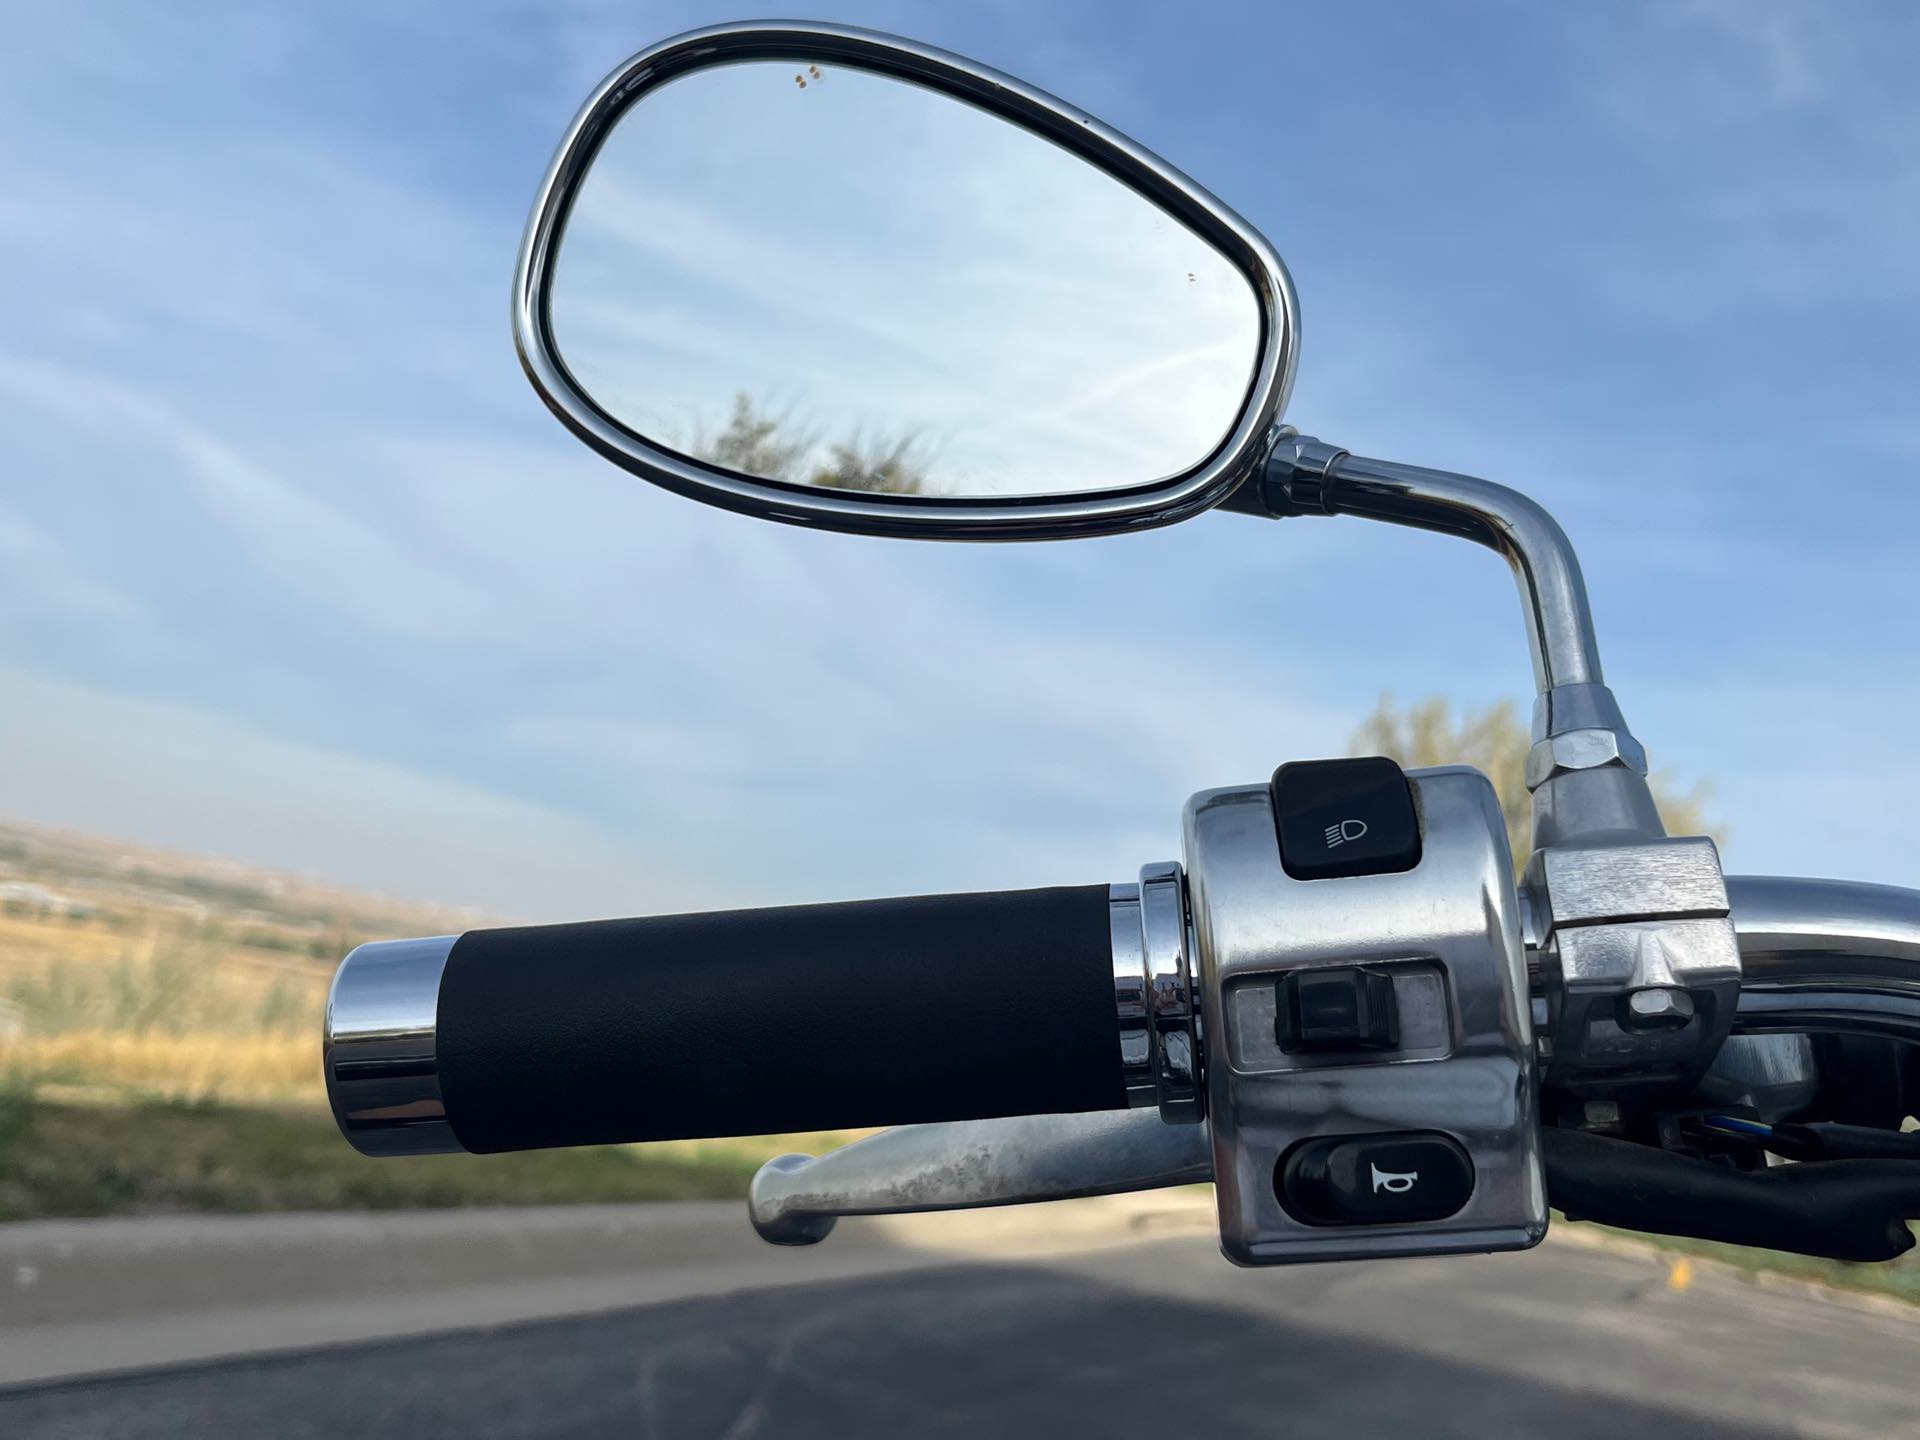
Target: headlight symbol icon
point(1344, 832)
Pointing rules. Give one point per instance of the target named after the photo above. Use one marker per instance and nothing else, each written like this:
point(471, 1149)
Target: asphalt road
point(1101, 1334)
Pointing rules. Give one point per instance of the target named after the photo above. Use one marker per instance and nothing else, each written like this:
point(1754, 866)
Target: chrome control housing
point(1448, 932)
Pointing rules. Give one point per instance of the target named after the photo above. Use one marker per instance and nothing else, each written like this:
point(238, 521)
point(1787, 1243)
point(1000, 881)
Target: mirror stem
point(1587, 772)
point(1316, 478)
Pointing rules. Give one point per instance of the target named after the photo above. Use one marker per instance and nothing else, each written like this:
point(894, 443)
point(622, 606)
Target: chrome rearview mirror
point(838, 279)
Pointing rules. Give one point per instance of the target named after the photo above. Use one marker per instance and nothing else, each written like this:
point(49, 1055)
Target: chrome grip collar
point(378, 1050)
point(1154, 994)
point(1130, 996)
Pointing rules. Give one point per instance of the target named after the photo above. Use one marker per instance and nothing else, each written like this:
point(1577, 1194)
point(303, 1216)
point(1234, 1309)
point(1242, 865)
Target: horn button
point(1374, 1179)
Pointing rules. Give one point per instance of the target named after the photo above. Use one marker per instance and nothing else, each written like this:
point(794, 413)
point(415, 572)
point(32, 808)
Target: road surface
point(1113, 1319)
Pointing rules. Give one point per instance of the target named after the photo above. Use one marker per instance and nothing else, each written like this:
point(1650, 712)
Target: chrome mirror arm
point(1577, 724)
point(795, 1199)
point(1312, 477)
point(1641, 964)
point(1587, 773)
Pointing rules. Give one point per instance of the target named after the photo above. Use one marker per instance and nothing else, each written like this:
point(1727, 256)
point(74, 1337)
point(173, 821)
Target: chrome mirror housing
point(838, 279)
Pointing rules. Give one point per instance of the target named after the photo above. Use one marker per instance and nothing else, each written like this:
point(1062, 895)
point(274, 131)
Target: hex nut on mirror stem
point(1658, 1007)
point(1587, 749)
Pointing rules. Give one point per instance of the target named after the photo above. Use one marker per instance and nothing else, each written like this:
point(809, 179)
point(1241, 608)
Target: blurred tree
point(882, 468)
point(1495, 741)
point(751, 443)
point(756, 442)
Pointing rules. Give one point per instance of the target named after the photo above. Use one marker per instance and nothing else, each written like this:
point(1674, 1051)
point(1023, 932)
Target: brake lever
point(961, 1165)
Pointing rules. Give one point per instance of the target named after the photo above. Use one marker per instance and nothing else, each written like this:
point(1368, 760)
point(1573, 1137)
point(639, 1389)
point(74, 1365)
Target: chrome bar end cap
point(378, 1049)
point(775, 1203)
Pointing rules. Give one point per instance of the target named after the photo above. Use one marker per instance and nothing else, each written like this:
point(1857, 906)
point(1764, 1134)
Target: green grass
point(1897, 1278)
point(160, 1157)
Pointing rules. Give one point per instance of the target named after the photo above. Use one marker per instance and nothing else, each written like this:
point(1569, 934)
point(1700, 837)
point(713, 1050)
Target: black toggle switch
point(1339, 818)
point(1374, 1179)
point(1341, 1007)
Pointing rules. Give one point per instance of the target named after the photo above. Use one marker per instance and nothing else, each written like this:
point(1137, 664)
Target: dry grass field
point(132, 975)
point(160, 1050)
point(154, 1005)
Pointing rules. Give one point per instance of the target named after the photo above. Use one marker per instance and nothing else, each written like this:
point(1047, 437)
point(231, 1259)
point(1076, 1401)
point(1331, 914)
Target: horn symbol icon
point(1345, 831)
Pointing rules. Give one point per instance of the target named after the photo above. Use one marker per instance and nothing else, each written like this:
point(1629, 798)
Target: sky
point(295, 568)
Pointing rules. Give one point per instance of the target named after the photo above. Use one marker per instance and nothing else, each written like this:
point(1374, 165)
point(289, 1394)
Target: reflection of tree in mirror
point(751, 444)
point(773, 447)
point(881, 467)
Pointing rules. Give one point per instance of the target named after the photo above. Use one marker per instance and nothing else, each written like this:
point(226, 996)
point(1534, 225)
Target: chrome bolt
point(1658, 1007)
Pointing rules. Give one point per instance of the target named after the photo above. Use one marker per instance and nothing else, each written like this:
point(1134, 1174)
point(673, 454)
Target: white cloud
point(307, 546)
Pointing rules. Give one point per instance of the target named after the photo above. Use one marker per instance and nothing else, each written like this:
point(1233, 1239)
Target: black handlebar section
point(810, 1017)
point(1841, 1209)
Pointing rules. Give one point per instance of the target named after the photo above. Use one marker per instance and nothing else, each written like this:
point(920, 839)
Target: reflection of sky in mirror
point(870, 262)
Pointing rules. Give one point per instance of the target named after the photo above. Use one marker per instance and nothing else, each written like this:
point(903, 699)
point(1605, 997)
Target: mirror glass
point(826, 276)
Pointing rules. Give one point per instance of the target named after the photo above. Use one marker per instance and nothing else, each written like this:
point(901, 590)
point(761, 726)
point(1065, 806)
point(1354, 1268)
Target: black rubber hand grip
point(813, 1017)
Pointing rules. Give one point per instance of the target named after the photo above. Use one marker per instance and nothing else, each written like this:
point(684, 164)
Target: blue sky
point(295, 568)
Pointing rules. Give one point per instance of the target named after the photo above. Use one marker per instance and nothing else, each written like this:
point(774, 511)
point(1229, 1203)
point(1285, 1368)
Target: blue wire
point(1738, 1126)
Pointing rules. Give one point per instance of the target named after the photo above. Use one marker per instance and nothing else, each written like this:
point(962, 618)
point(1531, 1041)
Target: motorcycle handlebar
point(880, 1012)
point(810, 1017)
